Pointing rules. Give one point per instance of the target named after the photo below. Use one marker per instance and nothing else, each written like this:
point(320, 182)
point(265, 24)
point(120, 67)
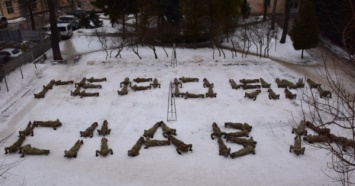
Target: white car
point(12, 52)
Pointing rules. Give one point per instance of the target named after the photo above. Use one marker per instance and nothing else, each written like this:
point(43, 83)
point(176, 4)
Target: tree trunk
point(31, 15)
point(302, 54)
point(265, 9)
point(273, 15)
point(123, 26)
point(55, 37)
point(286, 19)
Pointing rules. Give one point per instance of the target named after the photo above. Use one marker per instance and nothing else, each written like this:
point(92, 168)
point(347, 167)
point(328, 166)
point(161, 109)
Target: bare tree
point(54, 31)
point(337, 112)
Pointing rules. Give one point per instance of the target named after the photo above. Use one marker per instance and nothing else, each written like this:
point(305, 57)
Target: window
point(294, 4)
point(267, 3)
point(9, 7)
point(33, 4)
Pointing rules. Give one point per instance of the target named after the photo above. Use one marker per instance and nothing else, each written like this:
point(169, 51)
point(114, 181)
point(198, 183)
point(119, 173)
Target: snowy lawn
point(128, 116)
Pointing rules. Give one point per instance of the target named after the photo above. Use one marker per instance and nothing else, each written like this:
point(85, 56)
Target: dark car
point(4, 58)
point(77, 13)
point(70, 19)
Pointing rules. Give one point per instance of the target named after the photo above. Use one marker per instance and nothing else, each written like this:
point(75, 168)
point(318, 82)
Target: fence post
point(7, 87)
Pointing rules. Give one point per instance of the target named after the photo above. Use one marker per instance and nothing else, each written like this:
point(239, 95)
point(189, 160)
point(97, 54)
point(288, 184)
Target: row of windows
point(10, 8)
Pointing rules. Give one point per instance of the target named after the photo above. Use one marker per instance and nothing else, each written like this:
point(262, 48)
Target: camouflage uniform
point(247, 81)
point(89, 132)
point(125, 82)
point(177, 92)
point(188, 79)
point(150, 132)
point(242, 141)
point(223, 149)
point(41, 94)
point(190, 95)
point(239, 126)
point(166, 130)
point(301, 129)
point(210, 93)
point(264, 84)
point(16, 146)
point(234, 84)
point(82, 82)
point(72, 153)
point(289, 84)
point(155, 83)
point(317, 139)
point(53, 124)
point(273, 95)
point(152, 143)
point(324, 93)
point(242, 152)
point(135, 149)
point(246, 86)
point(318, 130)
point(300, 83)
point(344, 142)
point(28, 130)
point(104, 129)
point(216, 131)
point(138, 80)
point(86, 85)
point(206, 83)
point(60, 82)
point(123, 91)
point(87, 94)
point(92, 79)
point(177, 83)
point(104, 151)
point(76, 91)
point(138, 88)
point(49, 85)
point(289, 94)
point(27, 149)
point(180, 146)
point(243, 133)
point(280, 84)
point(297, 148)
point(312, 84)
point(252, 95)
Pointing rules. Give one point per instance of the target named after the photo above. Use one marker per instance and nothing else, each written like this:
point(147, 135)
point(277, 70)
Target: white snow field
point(129, 115)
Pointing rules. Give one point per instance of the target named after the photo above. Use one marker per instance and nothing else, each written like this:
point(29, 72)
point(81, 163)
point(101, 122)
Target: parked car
point(3, 22)
point(65, 30)
point(4, 58)
point(77, 13)
point(70, 19)
point(12, 52)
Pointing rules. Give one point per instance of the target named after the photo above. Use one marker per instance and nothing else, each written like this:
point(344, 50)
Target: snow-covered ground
point(128, 116)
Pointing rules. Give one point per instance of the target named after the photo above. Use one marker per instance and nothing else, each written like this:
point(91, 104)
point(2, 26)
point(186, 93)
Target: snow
point(128, 116)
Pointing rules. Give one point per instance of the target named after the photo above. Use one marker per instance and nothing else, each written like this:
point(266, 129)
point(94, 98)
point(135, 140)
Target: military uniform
point(135, 149)
point(74, 150)
point(104, 151)
point(27, 149)
point(244, 151)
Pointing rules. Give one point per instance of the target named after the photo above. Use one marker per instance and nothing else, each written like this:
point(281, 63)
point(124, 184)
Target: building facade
point(13, 9)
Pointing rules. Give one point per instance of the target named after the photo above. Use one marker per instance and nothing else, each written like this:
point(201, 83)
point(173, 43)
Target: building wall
point(19, 9)
point(84, 5)
point(257, 7)
point(4, 11)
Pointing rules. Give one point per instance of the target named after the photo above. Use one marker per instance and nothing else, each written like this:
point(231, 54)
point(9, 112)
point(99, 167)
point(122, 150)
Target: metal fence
point(21, 35)
point(27, 57)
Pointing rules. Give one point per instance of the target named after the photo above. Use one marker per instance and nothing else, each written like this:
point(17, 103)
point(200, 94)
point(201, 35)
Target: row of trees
point(189, 21)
